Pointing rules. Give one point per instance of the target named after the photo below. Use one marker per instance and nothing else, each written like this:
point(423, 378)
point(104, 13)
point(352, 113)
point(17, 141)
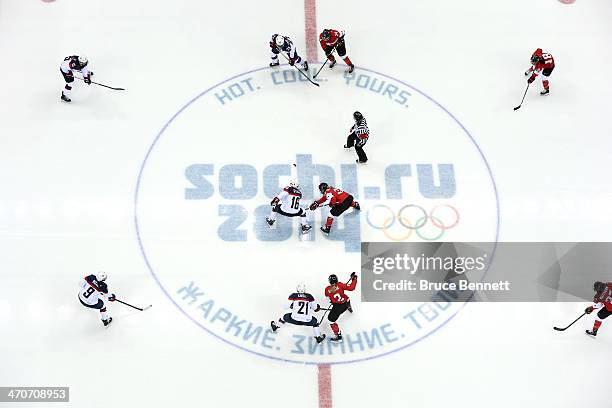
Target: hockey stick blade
point(517, 107)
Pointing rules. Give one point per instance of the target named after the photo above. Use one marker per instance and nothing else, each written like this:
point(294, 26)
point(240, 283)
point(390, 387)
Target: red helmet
point(536, 56)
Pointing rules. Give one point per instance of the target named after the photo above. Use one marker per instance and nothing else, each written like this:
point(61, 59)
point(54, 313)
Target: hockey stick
point(300, 71)
point(325, 63)
point(568, 326)
point(132, 306)
point(106, 86)
point(521, 104)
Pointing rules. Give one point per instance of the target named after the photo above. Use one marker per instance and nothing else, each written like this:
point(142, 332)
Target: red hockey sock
point(596, 325)
point(347, 60)
point(329, 222)
point(335, 328)
point(545, 83)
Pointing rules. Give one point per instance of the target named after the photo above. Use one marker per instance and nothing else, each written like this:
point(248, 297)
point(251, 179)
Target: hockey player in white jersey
point(71, 64)
point(287, 203)
point(303, 307)
point(280, 43)
point(93, 292)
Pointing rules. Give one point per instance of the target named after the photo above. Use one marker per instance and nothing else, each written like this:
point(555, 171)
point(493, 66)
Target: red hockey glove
point(531, 79)
point(313, 206)
point(589, 310)
point(291, 61)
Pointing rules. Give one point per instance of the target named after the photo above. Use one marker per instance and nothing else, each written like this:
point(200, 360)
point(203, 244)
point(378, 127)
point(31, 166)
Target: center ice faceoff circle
point(204, 189)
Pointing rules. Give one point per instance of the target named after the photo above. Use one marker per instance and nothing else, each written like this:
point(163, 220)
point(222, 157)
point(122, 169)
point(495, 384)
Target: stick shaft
point(300, 71)
point(568, 326)
point(99, 84)
point(325, 63)
point(127, 304)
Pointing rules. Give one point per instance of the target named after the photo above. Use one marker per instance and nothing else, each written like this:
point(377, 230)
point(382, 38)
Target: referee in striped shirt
point(358, 137)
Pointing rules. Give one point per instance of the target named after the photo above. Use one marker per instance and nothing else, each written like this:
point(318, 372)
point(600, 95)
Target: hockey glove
point(291, 61)
point(589, 310)
point(274, 201)
point(112, 298)
point(353, 275)
point(313, 206)
point(531, 79)
point(87, 80)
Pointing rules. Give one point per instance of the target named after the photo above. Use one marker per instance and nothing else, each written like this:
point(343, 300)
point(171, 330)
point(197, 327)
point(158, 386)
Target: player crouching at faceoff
point(280, 43)
point(339, 201)
point(287, 203)
point(92, 292)
point(334, 39)
point(302, 308)
point(340, 301)
point(542, 63)
point(71, 64)
point(602, 301)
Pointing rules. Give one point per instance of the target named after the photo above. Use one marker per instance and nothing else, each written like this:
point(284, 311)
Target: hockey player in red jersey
point(340, 301)
point(541, 63)
point(331, 39)
point(602, 301)
point(339, 201)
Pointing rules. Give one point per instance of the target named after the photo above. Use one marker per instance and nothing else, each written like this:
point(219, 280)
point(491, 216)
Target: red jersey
point(545, 61)
point(339, 297)
point(604, 297)
point(334, 195)
point(332, 41)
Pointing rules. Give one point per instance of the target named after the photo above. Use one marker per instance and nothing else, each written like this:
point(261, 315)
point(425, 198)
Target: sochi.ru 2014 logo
point(205, 185)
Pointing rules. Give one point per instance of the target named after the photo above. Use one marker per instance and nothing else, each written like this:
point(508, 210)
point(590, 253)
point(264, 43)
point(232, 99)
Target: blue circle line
point(146, 259)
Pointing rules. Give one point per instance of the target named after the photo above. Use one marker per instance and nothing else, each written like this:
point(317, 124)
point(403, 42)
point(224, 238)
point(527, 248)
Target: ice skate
point(275, 64)
point(274, 326)
point(65, 98)
point(107, 321)
point(351, 68)
point(337, 338)
point(320, 338)
point(271, 223)
point(306, 228)
point(545, 91)
point(325, 230)
point(332, 64)
point(592, 333)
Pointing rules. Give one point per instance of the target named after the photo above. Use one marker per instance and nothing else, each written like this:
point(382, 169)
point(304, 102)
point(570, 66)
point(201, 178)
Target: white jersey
point(71, 64)
point(302, 306)
point(91, 291)
point(289, 201)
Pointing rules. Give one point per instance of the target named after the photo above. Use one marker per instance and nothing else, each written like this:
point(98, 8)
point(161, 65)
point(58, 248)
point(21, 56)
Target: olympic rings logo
point(407, 223)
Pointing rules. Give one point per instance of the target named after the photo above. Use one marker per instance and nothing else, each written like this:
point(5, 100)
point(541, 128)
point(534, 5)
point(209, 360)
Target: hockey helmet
point(357, 116)
point(326, 34)
point(323, 187)
point(83, 61)
point(599, 286)
point(101, 276)
point(333, 279)
point(300, 288)
point(536, 56)
point(294, 183)
point(279, 41)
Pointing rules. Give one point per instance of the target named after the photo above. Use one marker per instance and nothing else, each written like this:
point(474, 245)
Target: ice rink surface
point(113, 182)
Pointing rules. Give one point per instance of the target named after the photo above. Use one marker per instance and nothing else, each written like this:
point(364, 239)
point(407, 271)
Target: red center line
point(325, 386)
point(310, 29)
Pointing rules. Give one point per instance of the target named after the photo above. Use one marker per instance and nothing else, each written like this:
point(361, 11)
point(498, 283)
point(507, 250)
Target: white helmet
point(83, 60)
point(101, 276)
point(280, 40)
point(301, 288)
point(294, 183)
